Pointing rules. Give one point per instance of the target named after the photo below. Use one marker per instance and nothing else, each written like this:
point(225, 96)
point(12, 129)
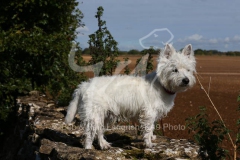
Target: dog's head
point(175, 69)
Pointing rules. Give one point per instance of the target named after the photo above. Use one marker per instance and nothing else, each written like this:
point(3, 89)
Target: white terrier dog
point(102, 100)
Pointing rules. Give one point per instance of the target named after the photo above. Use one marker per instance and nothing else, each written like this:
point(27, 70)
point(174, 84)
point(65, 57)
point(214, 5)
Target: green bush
point(238, 123)
point(209, 135)
point(134, 52)
point(35, 40)
point(230, 54)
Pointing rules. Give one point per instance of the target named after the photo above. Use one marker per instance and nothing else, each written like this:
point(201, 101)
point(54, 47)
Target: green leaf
point(238, 99)
point(238, 121)
point(31, 39)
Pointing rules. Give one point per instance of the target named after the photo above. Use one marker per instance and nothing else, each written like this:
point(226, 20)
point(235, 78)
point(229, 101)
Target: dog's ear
point(168, 50)
point(188, 50)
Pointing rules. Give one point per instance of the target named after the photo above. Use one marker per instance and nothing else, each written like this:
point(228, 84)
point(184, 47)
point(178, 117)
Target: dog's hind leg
point(90, 131)
point(100, 132)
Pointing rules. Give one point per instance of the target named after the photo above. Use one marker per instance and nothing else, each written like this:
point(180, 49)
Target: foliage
point(196, 52)
point(133, 51)
point(151, 50)
point(144, 68)
point(233, 53)
point(126, 69)
point(238, 123)
point(209, 135)
point(35, 39)
point(103, 47)
point(199, 52)
point(86, 51)
point(216, 52)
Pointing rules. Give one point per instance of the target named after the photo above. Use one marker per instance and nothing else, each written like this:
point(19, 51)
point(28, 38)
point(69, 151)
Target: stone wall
point(42, 134)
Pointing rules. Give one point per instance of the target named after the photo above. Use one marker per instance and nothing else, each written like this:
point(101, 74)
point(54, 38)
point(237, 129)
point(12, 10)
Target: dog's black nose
point(185, 80)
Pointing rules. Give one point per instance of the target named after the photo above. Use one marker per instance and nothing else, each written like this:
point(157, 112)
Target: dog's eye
point(175, 70)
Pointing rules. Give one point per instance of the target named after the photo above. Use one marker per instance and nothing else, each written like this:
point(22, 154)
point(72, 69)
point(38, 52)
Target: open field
point(224, 72)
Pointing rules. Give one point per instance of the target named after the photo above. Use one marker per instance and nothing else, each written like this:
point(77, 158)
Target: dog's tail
point(73, 106)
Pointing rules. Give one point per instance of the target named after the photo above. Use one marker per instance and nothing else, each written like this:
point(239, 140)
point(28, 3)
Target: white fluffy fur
point(102, 100)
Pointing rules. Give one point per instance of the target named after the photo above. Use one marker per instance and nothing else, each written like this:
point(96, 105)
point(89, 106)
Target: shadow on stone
point(43, 134)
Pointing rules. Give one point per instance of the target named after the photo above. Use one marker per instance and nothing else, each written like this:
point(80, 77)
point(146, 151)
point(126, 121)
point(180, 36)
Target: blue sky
point(206, 24)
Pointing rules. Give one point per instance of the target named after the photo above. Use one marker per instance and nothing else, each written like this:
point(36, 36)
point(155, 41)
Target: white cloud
point(214, 40)
point(226, 46)
point(233, 39)
point(227, 39)
point(199, 38)
point(81, 29)
point(236, 38)
point(128, 47)
point(195, 37)
point(219, 43)
point(129, 26)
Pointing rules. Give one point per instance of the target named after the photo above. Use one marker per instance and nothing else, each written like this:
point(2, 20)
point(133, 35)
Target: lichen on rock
point(42, 134)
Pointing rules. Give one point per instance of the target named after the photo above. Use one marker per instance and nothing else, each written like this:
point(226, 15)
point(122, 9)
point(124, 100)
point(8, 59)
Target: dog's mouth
point(184, 85)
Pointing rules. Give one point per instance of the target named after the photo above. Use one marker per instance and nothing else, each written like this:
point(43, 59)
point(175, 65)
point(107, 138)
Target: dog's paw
point(153, 137)
point(105, 145)
point(151, 145)
point(88, 147)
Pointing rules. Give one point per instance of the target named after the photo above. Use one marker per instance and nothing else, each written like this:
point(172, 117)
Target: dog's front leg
point(148, 136)
point(147, 126)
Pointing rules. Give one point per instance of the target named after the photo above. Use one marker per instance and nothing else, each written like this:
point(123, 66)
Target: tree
point(86, 51)
point(133, 51)
point(199, 52)
point(35, 39)
point(147, 66)
point(103, 47)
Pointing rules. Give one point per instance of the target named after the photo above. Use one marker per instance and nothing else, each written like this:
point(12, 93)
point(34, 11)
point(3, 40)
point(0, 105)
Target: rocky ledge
point(42, 134)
